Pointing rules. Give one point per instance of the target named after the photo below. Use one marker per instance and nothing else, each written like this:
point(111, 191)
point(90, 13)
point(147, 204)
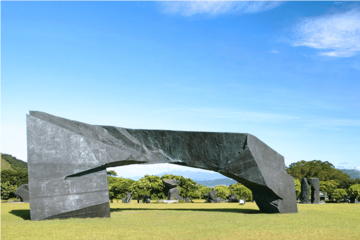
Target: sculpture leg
point(54, 154)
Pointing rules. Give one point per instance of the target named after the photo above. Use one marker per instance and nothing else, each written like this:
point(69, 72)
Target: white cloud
point(274, 51)
point(338, 35)
point(344, 163)
point(212, 8)
point(357, 168)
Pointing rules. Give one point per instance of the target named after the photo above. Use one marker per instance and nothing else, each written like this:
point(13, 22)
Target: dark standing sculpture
point(68, 160)
point(171, 189)
point(304, 196)
point(23, 192)
point(232, 198)
point(305, 191)
point(315, 190)
point(210, 197)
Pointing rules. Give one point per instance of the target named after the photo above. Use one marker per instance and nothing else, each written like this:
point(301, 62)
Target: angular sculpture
point(171, 189)
point(304, 196)
point(68, 160)
point(210, 197)
point(232, 198)
point(23, 192)
point(315, 190)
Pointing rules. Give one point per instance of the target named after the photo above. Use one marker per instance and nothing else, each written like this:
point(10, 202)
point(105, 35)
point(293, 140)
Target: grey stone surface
point(68, 159)
point(232, 198)
point(210, 197)
point(127, 198)
point(304, 196)
point(23, 192)
point(171, 189)
point(315, 190)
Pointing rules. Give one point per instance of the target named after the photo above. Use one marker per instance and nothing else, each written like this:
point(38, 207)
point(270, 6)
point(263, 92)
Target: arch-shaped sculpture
point(67, 164)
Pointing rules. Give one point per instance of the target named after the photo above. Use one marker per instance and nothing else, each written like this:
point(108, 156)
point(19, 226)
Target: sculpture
point(210, 197)
point(232, 198)
point(304, 196)
point(68, 160)
point(23, 192)
point(305, 191)
point(315, 190)
point(171, 189)
point(127, 198)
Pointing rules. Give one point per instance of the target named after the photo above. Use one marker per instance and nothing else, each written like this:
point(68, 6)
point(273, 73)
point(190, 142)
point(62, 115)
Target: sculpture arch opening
point(68, 160)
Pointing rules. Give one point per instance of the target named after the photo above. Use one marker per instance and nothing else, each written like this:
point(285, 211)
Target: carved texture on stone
point(68, 160)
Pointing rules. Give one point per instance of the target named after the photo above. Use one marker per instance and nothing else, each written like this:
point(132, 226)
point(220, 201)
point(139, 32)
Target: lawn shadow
point(234, 210)
point(24, 214)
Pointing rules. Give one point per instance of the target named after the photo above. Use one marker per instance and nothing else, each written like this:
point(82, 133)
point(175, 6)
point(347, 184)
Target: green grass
point(189, 221)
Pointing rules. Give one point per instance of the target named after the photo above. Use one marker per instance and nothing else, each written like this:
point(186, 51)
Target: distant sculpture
point(171, 189)
point(188, 199)
point(146, 199)
point(23, 192)
point(315, 190)
point(232, 198)
point(304, 196)
point(210, 197)
point(68, 159)
point(127, 198)
point(353, 199)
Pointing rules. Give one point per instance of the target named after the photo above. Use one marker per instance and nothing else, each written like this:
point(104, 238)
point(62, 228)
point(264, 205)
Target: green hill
point(9, 162)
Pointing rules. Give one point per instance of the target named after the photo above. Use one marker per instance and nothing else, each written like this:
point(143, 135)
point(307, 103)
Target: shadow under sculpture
point(68, 160)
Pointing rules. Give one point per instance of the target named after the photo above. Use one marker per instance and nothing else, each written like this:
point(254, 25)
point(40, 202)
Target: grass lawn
point(189, 221)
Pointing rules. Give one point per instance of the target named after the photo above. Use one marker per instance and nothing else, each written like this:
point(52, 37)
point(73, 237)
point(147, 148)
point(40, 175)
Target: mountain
point(352, 172)
point(9, 162)
point(196, 176)
point(213, 183)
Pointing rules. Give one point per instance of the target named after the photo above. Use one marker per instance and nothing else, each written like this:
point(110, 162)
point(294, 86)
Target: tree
point(149, 185)
point(7, 190)
point(355, 190)
point(15, 178)
point(297, 187)
point(111, 173)
point(203, 190)
point(325, 171)
point(338, 194)
point(328, 186)
point(241, 191)
point(222, 191)
point(118, 187)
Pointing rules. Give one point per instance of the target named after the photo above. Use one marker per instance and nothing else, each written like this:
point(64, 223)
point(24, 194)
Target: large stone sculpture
point(305, 191)
point(211, 198)
point(315, 190)
point(68, 160)
point(304, 196)
point(171, 189)
point(23, 192)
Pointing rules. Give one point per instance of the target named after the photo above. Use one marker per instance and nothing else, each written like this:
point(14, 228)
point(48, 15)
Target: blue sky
point(286, 72)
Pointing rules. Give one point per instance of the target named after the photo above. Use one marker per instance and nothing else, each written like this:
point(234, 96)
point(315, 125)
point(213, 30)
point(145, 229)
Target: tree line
point(153, 186)
point(333, 181)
